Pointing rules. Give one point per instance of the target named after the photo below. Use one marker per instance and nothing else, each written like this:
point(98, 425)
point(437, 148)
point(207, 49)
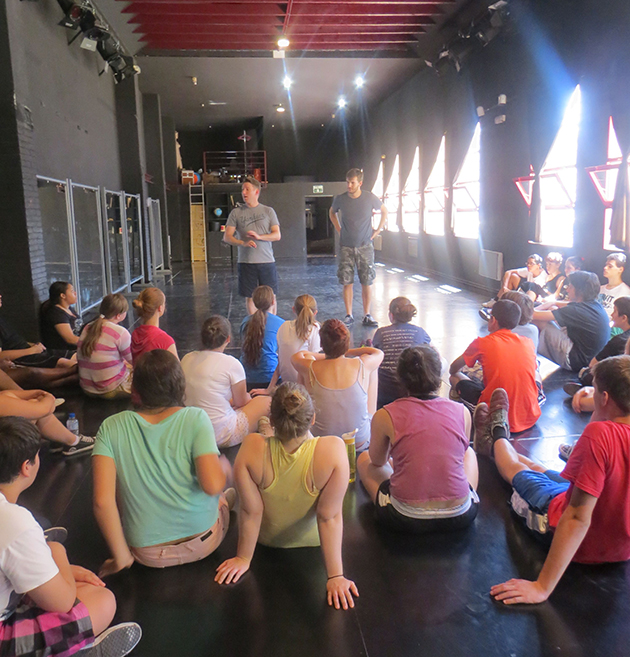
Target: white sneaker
point(116, 641)
point(564, 451)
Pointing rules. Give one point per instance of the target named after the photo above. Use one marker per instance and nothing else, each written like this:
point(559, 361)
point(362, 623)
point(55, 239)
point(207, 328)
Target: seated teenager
point(392, 340)
point(524, 326)
point(149, 307)
point(15, 348)
point(615, 287)
point(259, 335)
point(586, 508)
point(570, 336)
point(420, 471)
point(104, 352)
point(342, 382)
point(61, 326)
point(47, 606)
point(555, 278)
point(38, 407)
point(291, 488)
point(517, 279)
point(215, 382)
point(162, 465)
point(508, 361)
point(559, 299)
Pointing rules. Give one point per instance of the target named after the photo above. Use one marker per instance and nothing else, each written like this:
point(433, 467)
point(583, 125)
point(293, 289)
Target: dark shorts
point(251, 275)
point(539, 488)
point(33, 631)
point(47, 359)
point(396, 521)
point(469, 391)
point(361, 257)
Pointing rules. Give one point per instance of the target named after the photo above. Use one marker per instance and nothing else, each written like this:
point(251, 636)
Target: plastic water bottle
point(349, 439)
point(73, 424)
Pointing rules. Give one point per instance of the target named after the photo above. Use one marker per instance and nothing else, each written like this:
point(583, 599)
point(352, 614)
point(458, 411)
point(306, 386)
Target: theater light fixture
point(280, 109)
point(287, 82)
point(283, 42)
point(342, 103)
point(359, 81)
point(73, 17)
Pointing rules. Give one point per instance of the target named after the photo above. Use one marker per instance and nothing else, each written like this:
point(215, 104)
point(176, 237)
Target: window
point(411, 198)
point(435, 196)
point(377, 190)
point(392, 198)
point(558, 179)
point(466, 191)
point(605, 179)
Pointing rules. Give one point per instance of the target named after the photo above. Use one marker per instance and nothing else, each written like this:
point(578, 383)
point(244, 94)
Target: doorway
point(320, 238)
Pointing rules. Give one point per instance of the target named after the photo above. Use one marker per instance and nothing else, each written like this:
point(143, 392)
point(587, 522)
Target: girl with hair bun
point(291, 488)
point(342, 381)
point(392, 340)
point(420, 471)
point(149, 306)
point(215, 382)
point(104, 351)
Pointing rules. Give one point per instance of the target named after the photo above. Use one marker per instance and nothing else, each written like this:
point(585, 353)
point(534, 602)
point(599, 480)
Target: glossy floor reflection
point(419, 596)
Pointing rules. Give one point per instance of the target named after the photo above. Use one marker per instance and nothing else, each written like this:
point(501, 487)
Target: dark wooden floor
point(419, 596)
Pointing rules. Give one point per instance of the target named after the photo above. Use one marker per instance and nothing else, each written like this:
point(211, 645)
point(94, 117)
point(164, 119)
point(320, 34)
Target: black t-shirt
point(50, 336)
point(10, 339)
point(588, 328)
point(615, 346)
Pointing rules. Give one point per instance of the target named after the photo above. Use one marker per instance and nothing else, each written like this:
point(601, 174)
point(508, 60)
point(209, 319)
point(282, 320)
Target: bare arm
point(246, 472)
point(108, 517)
point(334, 219)
point(66, 333)
point(240, 396)
point(273, 236)
point(211, 474)
point(13, 354)
point(59, 593)
point(26, 404)
point(302, 361)
point(379, 229)
point(371, 356)
point(230, 238)
point(173, 350)
point(256, 392)
point(457, 365)
point(541, 316)
point(330, 522)
point(382, 433)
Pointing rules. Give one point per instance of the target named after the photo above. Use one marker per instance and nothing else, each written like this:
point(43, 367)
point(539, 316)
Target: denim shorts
point(539, 488)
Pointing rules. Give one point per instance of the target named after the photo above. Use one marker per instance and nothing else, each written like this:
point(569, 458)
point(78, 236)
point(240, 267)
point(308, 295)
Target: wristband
point(335, 576)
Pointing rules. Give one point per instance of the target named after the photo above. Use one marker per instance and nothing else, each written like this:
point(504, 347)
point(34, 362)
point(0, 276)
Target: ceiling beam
point(274, 31)
point(257, 23)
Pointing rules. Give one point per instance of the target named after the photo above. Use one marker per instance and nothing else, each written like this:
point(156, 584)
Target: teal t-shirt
point(161, 498)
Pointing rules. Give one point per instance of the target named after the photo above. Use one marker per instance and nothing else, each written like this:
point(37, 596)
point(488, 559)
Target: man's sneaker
point(116, 641)
point(349, 319)
point(56, 535)
point(482, 441)
point(85, 444)
point(572, 387)
point(368, 320)
point(485, 314)
point(499, 407)
point(564, 451)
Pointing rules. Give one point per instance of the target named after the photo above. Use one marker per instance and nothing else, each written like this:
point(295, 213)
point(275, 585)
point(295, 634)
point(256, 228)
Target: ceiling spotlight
point(283, 42)
point(280, 109)
point(359, 81)
point(287, 82)
point(194, 80)
point(73, 17)
point(203, 104)
point(123, 66)
point(341, 103)
point(214, 103)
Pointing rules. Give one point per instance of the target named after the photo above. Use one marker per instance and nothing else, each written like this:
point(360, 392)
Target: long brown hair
point(305, 309)
point(148, 302)
point(254, 332)
point(111, 305)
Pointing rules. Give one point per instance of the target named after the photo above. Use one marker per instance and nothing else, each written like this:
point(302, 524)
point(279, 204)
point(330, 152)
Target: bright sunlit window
point(466, 191)
point(377, 190)
point(392, 198)
point(558, 179)
point(411, 198)
point(607, 181)
point(435, 195)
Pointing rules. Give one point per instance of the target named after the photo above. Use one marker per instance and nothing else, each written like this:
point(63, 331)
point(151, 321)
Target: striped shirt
point(107, 367)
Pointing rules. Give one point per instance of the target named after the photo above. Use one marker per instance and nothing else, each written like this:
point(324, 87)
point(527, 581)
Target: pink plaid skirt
point(37, 633)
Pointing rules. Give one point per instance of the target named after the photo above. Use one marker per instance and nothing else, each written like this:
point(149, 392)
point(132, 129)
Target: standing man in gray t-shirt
point(351, 215)
point(255, 226)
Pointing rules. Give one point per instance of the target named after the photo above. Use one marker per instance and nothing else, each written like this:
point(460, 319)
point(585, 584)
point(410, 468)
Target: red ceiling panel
point(348, 25)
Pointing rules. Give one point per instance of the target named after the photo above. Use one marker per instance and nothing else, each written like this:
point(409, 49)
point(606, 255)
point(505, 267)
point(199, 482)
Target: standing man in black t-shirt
point(351, 215)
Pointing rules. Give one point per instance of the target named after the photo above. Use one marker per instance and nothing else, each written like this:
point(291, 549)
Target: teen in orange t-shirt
point(508, 361)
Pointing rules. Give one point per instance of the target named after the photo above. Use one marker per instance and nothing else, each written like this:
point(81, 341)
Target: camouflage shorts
point(361, 257)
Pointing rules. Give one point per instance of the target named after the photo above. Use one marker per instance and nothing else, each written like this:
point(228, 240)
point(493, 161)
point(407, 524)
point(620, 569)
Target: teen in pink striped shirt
point(104, 352)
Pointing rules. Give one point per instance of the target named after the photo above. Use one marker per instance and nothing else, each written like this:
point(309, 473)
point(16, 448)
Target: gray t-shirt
point(356, 217)
point(259, 219)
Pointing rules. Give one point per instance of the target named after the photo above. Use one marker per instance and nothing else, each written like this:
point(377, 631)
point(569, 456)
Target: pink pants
point(194, 549)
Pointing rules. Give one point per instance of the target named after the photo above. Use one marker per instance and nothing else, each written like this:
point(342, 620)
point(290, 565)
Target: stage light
point(73, 17)
point(123, 66)
point(280, 109)
point(283, 42)
point(287, 82)
point(194, 80)
point(359, 81)
point(342, 103)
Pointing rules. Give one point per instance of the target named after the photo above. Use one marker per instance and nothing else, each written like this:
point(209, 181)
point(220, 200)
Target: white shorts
point(233, 431)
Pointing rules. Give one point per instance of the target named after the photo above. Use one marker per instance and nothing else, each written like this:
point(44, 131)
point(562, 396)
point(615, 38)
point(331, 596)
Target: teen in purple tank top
point(432, 484)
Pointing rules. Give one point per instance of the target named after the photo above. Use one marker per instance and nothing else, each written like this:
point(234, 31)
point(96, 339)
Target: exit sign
point(318, 189)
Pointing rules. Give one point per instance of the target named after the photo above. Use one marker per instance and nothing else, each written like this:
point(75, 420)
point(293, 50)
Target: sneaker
point(368, 320)
point(485, 314)
point(482, 441)
point(56, 535)
point(85, 444)
point(59, 401)
point(564, 451)
point(571, 388)
point(349, 319)
point(499, 407)
point(489, 304)
point(116, 641)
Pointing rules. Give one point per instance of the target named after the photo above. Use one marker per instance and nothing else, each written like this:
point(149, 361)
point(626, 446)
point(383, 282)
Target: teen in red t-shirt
point(589, 512)
point(508, 361)
point(150, 306)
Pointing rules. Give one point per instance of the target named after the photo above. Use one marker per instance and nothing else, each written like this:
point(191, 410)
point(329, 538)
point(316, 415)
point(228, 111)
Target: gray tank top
point(340, 411)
